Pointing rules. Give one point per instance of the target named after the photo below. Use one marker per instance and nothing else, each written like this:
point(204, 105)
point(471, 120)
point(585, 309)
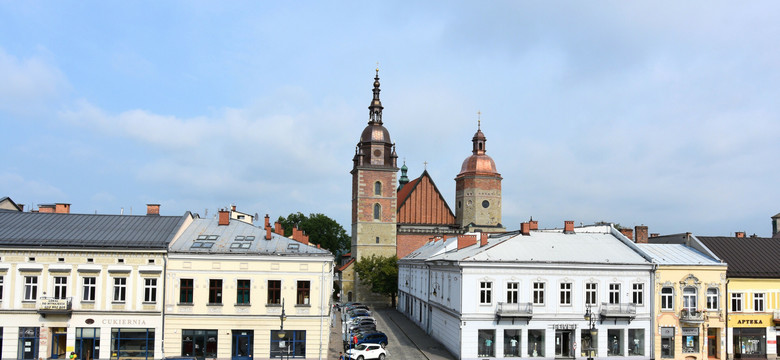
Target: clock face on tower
point(485, 204)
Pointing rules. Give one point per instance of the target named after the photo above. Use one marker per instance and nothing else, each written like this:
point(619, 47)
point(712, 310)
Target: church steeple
point(404, 179)
point(375, 109)
point(479, 139)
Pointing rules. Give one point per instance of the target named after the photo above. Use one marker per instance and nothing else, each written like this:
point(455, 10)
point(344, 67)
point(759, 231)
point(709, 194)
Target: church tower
point(374, 190)
point(478, 190)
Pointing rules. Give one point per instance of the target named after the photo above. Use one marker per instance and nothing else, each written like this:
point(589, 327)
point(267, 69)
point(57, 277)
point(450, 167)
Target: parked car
point(356, 313)
point(371, 337)
point(367, 351)
point(362, 328)
point(360, 322)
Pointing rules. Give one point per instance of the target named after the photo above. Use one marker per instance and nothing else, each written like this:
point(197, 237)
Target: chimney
point(304, 238)
point(534, 225)
point(568, 227)
point(152, 209)
point(641, 234)
point(483, 238)
point(466, 241)
point(267, 221)
point(62, 208)
point(739, 234)
point(21, 207)
point(224, 217)
point(46, 208)
point(627, 233)
point(652, 235)
point(278, 228)
point(232, 208)
point(525, 229)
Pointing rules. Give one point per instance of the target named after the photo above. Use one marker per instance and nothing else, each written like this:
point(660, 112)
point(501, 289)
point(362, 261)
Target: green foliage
point(380, 273)
point(321, 229)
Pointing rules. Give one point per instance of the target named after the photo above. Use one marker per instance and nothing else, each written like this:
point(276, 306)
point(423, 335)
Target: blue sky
point(657, 113)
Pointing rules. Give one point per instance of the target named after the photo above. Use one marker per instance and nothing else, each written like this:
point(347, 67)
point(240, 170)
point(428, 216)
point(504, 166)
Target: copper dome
point(375, 133)
point(478, 163)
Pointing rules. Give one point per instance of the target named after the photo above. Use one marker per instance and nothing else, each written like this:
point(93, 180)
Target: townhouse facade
point(562, 293)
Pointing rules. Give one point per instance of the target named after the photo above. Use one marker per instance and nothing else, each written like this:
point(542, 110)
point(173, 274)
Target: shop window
point(511, 292)
point(636, 342)
point(60, 287)
point(538, 293)
point(536, 343)
point(303, 292)
point(758, 302)
point(215, 291)
point(199, 343)
point(667, 298)
point(29, 337)
point(565, 294)
point(185, 291)
point(667, 342)
point(690, 340)
point(485, 343)
point(242, 292)
point(749, 342)
point(89, 288)
point(736, 302)
point(590, 293)
point(485, 292)
point(713, 299)
point(511, 343)
point(615, 338)
point(614, 293)
point(274, 292)
point(132, 343)
point(87, 343)
point(293, 345)
point(589, 343)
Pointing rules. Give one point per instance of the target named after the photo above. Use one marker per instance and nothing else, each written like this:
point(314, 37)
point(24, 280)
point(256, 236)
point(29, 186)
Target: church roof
point(420, 202)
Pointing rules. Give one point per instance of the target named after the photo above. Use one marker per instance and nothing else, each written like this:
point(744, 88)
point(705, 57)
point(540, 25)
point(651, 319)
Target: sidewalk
point(335, 345)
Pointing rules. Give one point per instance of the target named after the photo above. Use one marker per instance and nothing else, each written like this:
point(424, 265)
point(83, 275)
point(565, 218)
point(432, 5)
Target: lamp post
point(281, 334)
point(591, 319)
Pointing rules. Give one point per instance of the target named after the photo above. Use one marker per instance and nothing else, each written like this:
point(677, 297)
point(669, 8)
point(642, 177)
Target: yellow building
point(689, 306)
point(753, 294)
point(236, 291)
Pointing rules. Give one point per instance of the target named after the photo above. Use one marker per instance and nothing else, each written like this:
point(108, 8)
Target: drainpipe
point(652, 306)
point(165, 277)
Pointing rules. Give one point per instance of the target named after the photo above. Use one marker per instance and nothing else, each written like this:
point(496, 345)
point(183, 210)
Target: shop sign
point(667, 331)
point(123, 322)
point(564, 326)
point(690, 331)
point(748, 321)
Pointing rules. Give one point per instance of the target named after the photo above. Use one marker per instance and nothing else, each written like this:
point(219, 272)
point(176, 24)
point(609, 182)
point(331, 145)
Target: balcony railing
point(692, 316)
point(614, 312)
point(514, 311)
point(50, 305)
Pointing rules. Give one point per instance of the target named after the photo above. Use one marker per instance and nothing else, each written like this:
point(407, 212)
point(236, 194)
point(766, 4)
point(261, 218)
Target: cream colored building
point(85, 283)
point(228, 284)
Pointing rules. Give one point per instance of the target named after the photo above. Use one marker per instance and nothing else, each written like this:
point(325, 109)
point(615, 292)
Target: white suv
point(367, 351)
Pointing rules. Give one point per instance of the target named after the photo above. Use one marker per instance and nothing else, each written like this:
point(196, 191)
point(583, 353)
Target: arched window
point(689, 298)
point(377, 211)
point(377, 188)
point(713, 299)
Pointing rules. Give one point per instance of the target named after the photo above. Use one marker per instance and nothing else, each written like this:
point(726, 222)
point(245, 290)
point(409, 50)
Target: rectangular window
point(30, 288)
point(614, 293)
point(291, 345)
point(1, 288)
point(712, 299)
point(150, 290)
point(60, 287)
point(667, 299)
point(485, 292)
point(185, 291)
point(538, 295)
point(511, 293)
point(215, 291)
point(638, 294)
point(303, 292)
point(485, 343)
point(199, 343)
point(242, 291)
point(590, 293)
point(636, 342)
point(536, 343)
point(274, 291)
point(512, 343)
point(736, 302)
point(615, 337)
point(758, 302)
point(89, 286)
point(565, 293)
point(120, 289)
point(132, 343)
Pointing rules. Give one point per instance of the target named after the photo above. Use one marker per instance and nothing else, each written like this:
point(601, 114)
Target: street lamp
point(591, 319)
point(281, 334)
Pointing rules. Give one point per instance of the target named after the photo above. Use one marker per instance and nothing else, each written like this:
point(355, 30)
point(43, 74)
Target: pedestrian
point(72, 355)
point(341, 356)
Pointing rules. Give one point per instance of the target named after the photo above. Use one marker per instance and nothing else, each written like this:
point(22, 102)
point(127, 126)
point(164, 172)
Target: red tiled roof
point(420, 202)
point(346, 265)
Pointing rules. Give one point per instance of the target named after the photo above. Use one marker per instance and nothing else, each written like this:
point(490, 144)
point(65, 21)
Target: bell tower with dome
point(374, 192)
point(478, 190)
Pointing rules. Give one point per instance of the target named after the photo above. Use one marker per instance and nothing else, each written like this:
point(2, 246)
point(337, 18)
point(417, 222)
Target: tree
point(380, 273)
point(321, 230)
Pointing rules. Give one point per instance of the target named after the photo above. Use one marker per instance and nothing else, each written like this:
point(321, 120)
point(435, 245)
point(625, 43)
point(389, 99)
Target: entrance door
point(59, 338)
point(563, 344)
point(242, 344)
point(87, 343)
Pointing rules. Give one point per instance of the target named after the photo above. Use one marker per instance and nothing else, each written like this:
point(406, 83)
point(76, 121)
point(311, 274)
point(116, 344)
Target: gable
point(420, 202)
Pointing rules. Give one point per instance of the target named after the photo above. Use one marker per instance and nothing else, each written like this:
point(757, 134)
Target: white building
point(525, 294)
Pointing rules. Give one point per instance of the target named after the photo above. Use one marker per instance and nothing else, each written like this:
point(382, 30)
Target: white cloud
point(28, 85)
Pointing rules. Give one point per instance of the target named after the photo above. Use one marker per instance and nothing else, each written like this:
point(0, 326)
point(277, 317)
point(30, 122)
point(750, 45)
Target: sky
point(657, 113)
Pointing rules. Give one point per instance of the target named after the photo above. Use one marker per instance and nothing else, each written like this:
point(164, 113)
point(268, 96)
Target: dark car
point(363, 328)
point(359, 312)
point(372, 337)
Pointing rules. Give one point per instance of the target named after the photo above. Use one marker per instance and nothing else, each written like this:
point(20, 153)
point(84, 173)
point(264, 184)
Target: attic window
point(240, 238)
point(121, 261)
point(292, 246)
point(89, 260)
point(213, 237)
point(61, 260)
point(151, 261)
point(202, 237)
point(30, 259)
point(240, 245)
point(202, 245)
point(250, 238)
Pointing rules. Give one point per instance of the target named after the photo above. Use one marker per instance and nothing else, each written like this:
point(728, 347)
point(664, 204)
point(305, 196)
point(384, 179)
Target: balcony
point(615, 312)
point(52, 306)
point(523, 311)
point(692, 316)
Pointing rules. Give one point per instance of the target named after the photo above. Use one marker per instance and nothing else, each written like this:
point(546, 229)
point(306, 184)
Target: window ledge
point(302, 305)
point(273, 305)
point(242, 304)
point(185, 304)
point(149, 303)
point(87, 301)
point(118, 302)
point(214, 304)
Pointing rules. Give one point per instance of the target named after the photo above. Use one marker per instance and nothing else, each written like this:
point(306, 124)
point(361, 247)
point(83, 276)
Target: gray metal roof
point(226, 237)
point(43, 230)
point(677, 254)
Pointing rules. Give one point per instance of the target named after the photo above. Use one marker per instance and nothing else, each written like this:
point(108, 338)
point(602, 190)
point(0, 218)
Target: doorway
point(563, 344)
point(58, 343)
point(87, 343)
point(242, 344)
